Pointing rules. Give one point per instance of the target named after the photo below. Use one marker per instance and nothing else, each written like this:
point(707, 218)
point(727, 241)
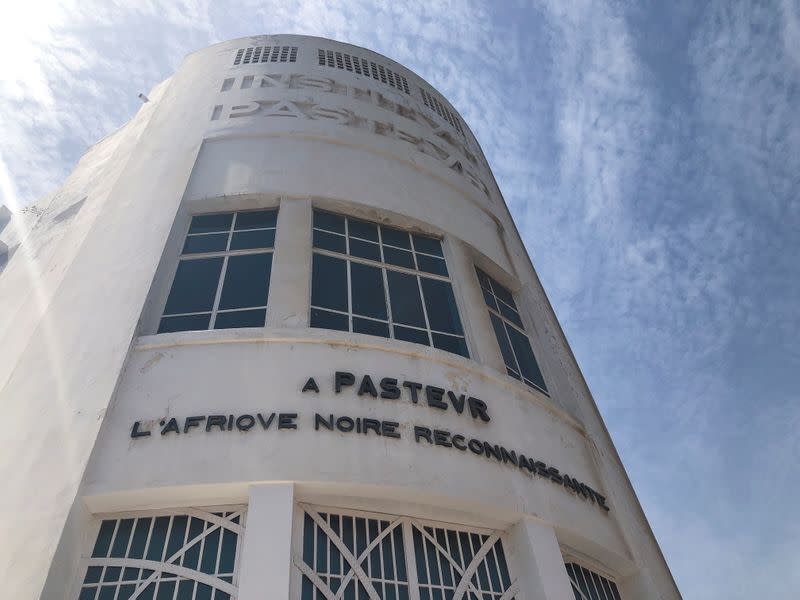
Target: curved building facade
point(278, 337)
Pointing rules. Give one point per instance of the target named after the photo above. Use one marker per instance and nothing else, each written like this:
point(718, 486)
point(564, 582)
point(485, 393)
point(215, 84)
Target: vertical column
point(265, 565)
point(538, 563)
point(477, 324)
point(290, 283)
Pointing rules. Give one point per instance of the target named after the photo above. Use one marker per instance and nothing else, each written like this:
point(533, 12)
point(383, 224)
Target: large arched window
point(188, 555)
point(356, 555)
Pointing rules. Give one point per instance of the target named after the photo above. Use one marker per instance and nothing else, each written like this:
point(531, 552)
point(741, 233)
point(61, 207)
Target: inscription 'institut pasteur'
point(278, 337)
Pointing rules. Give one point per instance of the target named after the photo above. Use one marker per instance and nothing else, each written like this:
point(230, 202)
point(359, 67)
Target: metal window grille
point(348, 555)
point(392, 251)
point(588, 585)
point(220, 259)
point(514, 344)
point(191, 555)
point(349, 62)
point(263, 54)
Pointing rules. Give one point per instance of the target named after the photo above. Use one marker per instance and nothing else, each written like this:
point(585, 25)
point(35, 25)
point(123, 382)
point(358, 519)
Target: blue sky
point(650, 153)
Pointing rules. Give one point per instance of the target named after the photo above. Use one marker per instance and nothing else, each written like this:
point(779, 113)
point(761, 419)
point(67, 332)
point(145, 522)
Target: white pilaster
point(265, 565)
point(290, 285)
point(477, 323)
point(538, 563)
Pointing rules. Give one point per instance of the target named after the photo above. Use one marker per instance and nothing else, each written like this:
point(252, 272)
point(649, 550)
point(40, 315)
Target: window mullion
point(349, 298)
point(349, 277)
point(511, 347)
point(389, 316)
point(218, 294)
point(411, 560)
point(424, 310)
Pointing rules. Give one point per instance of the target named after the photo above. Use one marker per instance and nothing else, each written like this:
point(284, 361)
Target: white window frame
point(384, 267)
point(204, 513)
point(589, 565)
point(225, 255)
point(299, 568)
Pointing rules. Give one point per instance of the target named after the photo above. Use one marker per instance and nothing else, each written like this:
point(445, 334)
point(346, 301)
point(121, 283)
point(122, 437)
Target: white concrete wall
point(82, 364)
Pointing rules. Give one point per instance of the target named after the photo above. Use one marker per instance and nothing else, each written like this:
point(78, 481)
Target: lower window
point(188, 555)
point(588, 585)
point(358, 556)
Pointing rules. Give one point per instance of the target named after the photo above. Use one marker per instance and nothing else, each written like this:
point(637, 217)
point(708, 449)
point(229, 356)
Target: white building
point(278, 337)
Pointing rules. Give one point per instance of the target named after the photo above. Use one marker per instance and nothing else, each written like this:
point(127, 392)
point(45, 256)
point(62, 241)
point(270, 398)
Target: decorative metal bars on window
point(514, 344)
point(361, 66)
point(588, 585)
point(265, 54)
point(351, 556)
point(223, 275)
point(382, 281)
point(432, 102)
point(188, 556)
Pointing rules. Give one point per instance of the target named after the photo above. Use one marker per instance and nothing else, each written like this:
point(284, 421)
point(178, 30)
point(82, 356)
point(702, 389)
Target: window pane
point(240, 318)
point(510, 314)
point(406, 303)
point(395, 237)
point(256, 219)
point(120, 546)
point(503, 294)
point(328, 221)
point(362, 229)
point(431, 265)
point(502, 340)
point(329, 282)
point(329, 241)
point(489, 298)
point(185, 323)
point(194, 286)
point(215, 242)
point(401, 258)
point(367, 291)
point(411, 335)
point(451, 343)
point(483, 279)
point(366, 250)
point(139, 538)
point(428, 245)
point(262, 238)
point(103, 542)
point(208, 223)
point(527, 361)
point(246, 281)
point(329, 320)
point(370, 327)
point(441, 306)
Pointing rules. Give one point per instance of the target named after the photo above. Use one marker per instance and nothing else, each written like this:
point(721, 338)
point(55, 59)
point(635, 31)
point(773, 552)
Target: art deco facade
point(278, 337)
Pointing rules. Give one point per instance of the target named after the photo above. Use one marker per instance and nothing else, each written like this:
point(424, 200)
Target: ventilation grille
point(265, 54)
point(440, 109)
point(361, 66)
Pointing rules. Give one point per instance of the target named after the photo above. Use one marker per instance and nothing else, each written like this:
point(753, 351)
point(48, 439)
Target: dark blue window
point(514, 344)
point(383, 281)
point(222, 279)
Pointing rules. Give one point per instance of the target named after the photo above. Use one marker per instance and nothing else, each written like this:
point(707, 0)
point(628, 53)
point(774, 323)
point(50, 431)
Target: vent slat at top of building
point(263, 54)
point(349, 62)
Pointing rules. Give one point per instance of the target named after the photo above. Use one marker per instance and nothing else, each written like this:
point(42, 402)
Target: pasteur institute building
point(279, 337)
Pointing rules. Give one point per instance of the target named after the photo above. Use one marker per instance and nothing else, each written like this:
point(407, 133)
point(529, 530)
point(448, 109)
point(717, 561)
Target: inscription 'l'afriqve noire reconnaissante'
point(388, 388)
